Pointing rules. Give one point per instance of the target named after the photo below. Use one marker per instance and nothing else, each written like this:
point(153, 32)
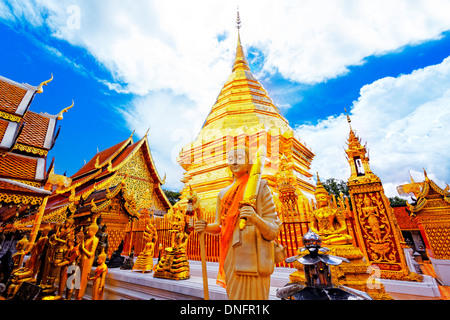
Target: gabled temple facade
point(26, 137)
point(243, 115)
point(432, 214)
point(120, 185)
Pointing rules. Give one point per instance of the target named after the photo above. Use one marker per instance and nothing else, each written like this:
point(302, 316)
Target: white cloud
point(405, 123)
point(170, 56)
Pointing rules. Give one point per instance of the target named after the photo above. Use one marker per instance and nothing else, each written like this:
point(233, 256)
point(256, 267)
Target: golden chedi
point(243, 114)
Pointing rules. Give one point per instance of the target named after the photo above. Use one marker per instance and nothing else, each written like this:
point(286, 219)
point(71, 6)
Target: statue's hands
point(200, 226)
point(248, 213)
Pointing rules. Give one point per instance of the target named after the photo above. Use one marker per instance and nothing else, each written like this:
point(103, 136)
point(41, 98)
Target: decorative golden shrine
point(432, 213)
point(378, 234)
point(243, 114)
point(116, 184)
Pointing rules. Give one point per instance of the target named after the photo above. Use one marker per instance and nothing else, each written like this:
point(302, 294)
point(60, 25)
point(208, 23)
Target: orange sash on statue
point(229, 213)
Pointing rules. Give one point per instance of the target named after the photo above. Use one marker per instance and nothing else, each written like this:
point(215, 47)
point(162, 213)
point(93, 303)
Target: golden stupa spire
point(240, 63)
point(348, 119)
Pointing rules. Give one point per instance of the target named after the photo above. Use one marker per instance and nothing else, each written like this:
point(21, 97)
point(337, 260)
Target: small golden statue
point(18, 260)
point(87, 255)
point(32, 265)
point(57, 246)
point(144, 262)
point(327, 222)
point(69, 259)
point(174, 263)
point(98, 285)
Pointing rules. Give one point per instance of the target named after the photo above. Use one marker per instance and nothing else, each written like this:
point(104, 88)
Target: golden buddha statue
point(326, 221)
point(87, 255)
point(57, 246)
point(144, 262)
point(98, 285)
point(18, 260)
point(31, 268)
point(174, 263)
point(70, 256)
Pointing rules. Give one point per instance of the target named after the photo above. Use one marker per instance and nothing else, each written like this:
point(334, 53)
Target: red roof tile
point(10, 96)
point(103, 156)
point(17, 167)
point(35, 130)
point(405, 222)
point(3, 126)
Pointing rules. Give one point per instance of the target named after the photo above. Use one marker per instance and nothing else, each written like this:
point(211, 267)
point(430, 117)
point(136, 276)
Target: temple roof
point(25, 140)
point(405, 222)
point(428, 194)
point(91, 188)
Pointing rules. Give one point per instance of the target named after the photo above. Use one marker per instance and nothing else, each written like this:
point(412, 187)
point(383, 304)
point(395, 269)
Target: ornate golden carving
point(10, 117)
point(23, 199)
point(29, 149)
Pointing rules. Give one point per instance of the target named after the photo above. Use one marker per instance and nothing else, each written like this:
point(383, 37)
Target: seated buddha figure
point(326, 221)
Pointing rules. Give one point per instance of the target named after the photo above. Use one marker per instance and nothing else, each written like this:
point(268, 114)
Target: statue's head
point(21, 244)
point(321, 194)
point(69, 222)
point(367, 201)
point(238, 160)
point(93, 228)
point(101, 258)
point(46, 231)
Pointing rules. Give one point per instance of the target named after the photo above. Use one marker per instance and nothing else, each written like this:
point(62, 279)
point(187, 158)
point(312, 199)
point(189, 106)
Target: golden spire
point(348, 119)
point(319, 186)
point(240, 62)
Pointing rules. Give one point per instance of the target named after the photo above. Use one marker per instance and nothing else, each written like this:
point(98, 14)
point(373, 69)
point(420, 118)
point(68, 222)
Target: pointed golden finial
point(412, 180)
point(40, 87)
point(164, 179)
point(240, 61)
point(425, 174)
point(319, 186)
point(348, 119)
point(238, 20)
point(146, 133)
point(60, 115)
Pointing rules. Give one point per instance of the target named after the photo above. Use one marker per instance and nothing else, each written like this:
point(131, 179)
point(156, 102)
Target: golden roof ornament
point(60, 114)
point(40, 87)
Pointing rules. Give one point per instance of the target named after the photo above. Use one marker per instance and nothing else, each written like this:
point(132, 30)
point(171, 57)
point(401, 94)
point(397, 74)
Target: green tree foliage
point(173, 196)
point(335, 187)
point(397, 202)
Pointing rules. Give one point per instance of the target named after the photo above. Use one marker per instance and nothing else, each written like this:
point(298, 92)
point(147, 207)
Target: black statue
point(116, 260)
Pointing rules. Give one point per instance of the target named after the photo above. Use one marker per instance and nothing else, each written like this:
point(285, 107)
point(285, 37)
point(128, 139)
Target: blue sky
point(134, 67)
